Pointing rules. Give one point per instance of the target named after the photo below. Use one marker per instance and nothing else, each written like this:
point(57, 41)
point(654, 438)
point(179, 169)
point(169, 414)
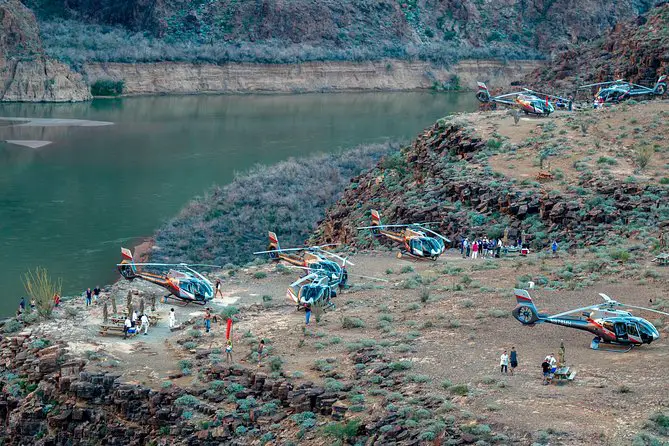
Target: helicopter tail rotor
point(127, 266)
point(525, 312)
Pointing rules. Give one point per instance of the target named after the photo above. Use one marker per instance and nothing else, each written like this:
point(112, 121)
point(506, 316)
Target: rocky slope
point(26, 74)
point(637, 50)
point(304, 30)
point(477, 175)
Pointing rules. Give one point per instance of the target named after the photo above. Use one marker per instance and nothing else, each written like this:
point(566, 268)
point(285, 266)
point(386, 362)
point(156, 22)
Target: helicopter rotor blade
point(644, 308)
point(566, 313)
point(344, 260)
point(280, 250)
point(369, 277)
point(435, 233)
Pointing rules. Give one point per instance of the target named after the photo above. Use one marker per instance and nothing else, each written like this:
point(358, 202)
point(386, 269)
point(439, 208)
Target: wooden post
point(153, 302)
point(105, 313)
point(113, 301)
point(141, 306)
point(129, 303)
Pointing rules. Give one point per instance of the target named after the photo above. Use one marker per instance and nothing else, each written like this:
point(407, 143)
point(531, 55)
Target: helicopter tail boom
point(525, 312)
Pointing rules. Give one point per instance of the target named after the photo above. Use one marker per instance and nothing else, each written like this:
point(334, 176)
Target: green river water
point(69, 206)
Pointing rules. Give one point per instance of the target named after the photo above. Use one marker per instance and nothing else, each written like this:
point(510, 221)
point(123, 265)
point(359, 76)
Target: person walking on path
point(218, 288)
point(89, 294)
point(504, 363)
point(22, 304)
point(96, 292)
point(513, 358)
point(172, 318)
point(261, 348)
point(207, 320)
point(145, 324)
point(126, 326)
point(33, 305)
point(228, 351)
point(554, 248)
point(56, 300)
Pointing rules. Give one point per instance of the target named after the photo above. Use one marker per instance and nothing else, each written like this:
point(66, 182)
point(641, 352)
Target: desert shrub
point(424, 294)
point(107, 87)
point(233, 220)
point(643, 156)
point(187, 400)
point(259, 275)
point(406, 269)
point(459, 389)
point(41, 287)
point(399, 366)
point(12, 326)
point(229, 311)
point(494, 312)
point(352, 322)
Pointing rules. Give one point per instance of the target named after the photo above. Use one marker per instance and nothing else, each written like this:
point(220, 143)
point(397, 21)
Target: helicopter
point(609, 324)
point(311, 289)
point(416, 242)
point(526, 100)
point(313, 259)
point(186, 285)
point(619, 90)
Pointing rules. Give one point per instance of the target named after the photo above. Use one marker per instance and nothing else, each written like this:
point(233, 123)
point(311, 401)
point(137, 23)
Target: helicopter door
point(633, 332)
point(620, 330)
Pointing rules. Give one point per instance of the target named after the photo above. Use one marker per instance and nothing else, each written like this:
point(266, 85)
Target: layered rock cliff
point(26, 74)
point(637, 50)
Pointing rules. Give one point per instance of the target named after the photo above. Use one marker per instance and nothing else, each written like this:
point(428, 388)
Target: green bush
point(107, 87)
point(187, 401)
point(352, 322)
point(259, 275)
point(12, 326)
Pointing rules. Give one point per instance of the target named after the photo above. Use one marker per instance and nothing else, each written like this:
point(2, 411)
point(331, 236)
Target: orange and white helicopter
point(181, 281)
point(414, 238)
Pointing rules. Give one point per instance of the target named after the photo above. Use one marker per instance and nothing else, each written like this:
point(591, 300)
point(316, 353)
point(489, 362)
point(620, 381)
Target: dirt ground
point(454, 335)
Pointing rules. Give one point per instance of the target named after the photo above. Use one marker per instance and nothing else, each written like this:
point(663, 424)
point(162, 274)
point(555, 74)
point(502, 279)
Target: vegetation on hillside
point(228, 223)
point(304, 30)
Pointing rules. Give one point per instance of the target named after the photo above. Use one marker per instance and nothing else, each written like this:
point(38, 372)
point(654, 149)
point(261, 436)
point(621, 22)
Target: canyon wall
point(184, 78)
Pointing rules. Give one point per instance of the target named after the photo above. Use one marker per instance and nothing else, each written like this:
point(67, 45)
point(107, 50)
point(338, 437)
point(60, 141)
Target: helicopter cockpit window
point(416, 244)
point(431, 244)
point(632, 329)
point(310, 293)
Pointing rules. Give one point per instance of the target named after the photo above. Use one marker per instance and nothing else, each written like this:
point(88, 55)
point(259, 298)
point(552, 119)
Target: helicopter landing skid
point(185, 302)
point(614, 348)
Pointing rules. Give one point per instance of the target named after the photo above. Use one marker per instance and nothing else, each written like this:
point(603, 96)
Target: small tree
point(41, 287)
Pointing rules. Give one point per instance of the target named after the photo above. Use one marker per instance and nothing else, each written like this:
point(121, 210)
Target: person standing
point(133, 318)
point(513, 358)
point(145, 324)
point(307, 313)
point(89, 294)
point(33, 305)
point(504, 363)
point(172, 318)
point(261, 348)
point(546, 369)
point(126, 326)
point(468, 247)
point(218, 288)
point(228, 351)
point(462, 247)
point(56, 300)
point(475, 249)
point(207, 320)
point(554, 248)
point(22, 304)
point(96, 292)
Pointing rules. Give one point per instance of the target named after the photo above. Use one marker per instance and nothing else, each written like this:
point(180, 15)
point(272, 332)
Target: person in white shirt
point(145, 324)
point(126, 326)
point(134, 318)
point(504, 363)
point(172, 318)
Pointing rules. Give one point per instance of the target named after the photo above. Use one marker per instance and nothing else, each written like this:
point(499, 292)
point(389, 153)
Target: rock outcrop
point(26, 74)
point(637, 51)
point(440, 178)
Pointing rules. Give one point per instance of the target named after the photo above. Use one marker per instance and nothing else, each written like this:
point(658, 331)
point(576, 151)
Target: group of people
point(90, 294)
point(508, 359)
point(483, 248)
point(548, 367)
point(130, 324)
